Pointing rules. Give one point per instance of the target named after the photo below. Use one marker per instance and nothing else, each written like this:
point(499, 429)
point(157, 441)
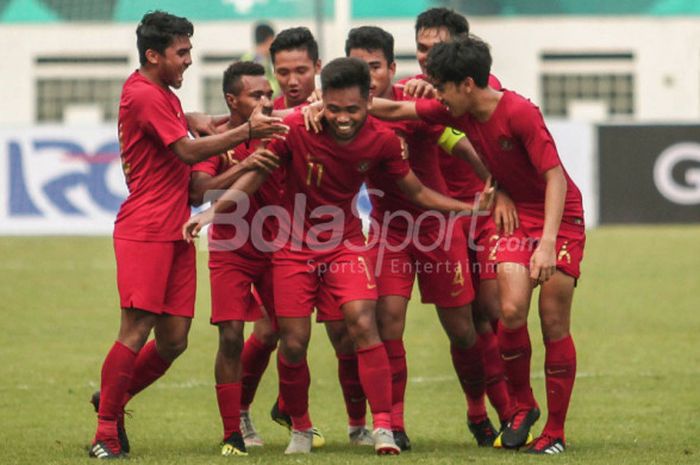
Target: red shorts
point(571, 240)
point(482, 239)
point(327, 309)
point(442, 266)
point(231, 276)
point(158, 277)
point(301, 280)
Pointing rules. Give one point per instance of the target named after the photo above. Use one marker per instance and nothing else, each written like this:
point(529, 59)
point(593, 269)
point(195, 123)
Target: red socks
point(149, 366)
point(254, 360)
point(294, 381)
point(355, 400)
point(117, 370)
point(228, 396)
point(375, 376)
point(399, 376)
point(516, 352)
point(496, 385)
point(469, 366)
point(560, 373)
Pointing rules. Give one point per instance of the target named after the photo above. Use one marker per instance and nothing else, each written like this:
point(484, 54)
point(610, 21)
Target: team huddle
point(468, 196)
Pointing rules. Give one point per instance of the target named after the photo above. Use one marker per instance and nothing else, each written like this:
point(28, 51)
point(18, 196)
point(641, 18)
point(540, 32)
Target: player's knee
point(513, 315)
point(172, 348)
point(293, 348)
point(266, 335)
point(230, 342)
point(554, 326)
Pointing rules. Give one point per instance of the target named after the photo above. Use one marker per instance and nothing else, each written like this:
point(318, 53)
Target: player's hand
point(312, 116)
point(486, 196)
point(315, 96)
point(190, 230)
point(543, 263)
point(419, 88)
point(263, 126)
point(201, 124)
point(263, 160)
point(505, 214)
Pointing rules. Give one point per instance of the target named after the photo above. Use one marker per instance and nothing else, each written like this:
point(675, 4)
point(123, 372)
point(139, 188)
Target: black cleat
point(517, 431)
point(121, 431)
point(484, 432)
point(547, 444)
point(101, 450)
point(401, 439)
point(280, 417)
point(234, 445)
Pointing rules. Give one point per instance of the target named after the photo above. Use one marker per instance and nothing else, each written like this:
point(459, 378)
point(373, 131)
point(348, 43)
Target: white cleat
point(300, 442)
point(250, 434)
point(384, 443)
point(360, 436)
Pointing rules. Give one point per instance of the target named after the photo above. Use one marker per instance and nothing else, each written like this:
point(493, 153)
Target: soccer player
point(414, 242)
point(295, 57)
point(325, 246)
point(547, 246)
point(434, 26)
point(155, 267)
point(234, 266)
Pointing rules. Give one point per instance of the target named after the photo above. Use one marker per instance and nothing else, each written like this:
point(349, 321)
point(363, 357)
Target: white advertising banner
point(59, 180)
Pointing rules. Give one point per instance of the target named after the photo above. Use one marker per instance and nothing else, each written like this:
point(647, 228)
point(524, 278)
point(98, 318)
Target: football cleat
point(300, 442)
point(484, 432)
point(516, 432)
point(101, 450)
point(360, 436)
point(401, 439)
point(234, 445)
point(384, 443)
point(121, 431)
point(285, 420)
point(546, 444)
point(251, 438)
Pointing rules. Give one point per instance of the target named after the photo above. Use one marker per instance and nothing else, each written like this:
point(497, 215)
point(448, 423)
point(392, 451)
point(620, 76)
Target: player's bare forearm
point(393, 110)
point(201, 183)
point(465, 150)
point(429, 199)
point(555, 197)
point(246, 185)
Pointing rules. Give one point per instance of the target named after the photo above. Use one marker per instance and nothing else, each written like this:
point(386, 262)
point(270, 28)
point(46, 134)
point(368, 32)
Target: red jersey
point(268, 194)
point(279, 103)
point(150, 119)
point(516, 147)
point(420, 148)
point(330, 175)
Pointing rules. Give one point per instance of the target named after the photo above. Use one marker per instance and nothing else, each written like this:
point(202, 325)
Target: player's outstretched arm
point(201, 183)
point(428, 199)
point(246, 185)
point(543, 261)
point(200, 124)
point(393, 110)
point(259, 126)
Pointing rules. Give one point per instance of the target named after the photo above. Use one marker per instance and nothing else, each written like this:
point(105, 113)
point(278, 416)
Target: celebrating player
point(325, 245)
point(155, 267)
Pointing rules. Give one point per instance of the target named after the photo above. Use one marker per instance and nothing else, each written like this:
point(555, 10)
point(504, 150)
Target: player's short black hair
point(455, 23)
point(295, 38)
point(263, 31)
point(343, 73)
point(233, 74)
point(157, 30)
point(458, 60)
point(371, 38)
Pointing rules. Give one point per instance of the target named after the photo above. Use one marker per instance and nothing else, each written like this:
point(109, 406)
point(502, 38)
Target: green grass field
point(637, 398)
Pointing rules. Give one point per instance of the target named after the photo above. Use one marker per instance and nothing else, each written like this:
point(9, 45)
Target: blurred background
point(618, 82)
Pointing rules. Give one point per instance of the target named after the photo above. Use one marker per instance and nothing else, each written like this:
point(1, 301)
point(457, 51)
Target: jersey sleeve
point(449, 138)
point(209, 166)
point(528, 126)
point(157, 117)
point(433, 112)
point(393, 162)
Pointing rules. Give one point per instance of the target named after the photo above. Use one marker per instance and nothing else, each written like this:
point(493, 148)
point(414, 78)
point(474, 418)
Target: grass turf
point(636, 323)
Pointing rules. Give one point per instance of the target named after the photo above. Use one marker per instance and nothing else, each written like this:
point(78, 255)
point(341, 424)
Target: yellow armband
point(449, 139)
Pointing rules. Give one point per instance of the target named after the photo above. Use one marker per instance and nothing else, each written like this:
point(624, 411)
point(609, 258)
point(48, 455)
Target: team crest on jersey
point(505, 143)
point(363, 166)
point(564, 254)
point(229, 158)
